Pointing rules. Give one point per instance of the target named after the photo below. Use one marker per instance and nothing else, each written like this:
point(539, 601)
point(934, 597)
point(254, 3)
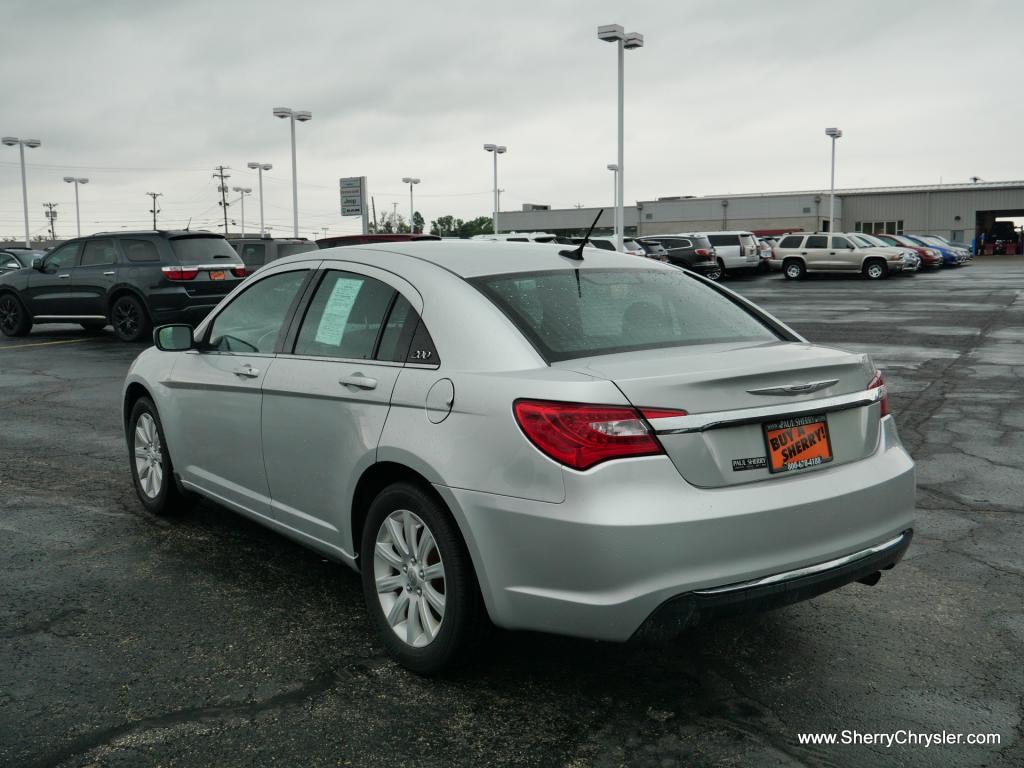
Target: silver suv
point(798, 254)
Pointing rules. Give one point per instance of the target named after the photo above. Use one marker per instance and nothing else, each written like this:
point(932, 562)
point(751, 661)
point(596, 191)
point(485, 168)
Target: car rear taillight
point(878, 380)
point(239, 271)
point(581, 436)
point(180, 273)
point(702, 252)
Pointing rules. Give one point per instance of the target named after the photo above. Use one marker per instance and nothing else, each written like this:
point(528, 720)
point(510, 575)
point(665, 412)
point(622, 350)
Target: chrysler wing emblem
point(794, 389)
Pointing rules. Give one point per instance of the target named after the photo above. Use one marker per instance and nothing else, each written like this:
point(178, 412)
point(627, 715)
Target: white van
point(737, 251)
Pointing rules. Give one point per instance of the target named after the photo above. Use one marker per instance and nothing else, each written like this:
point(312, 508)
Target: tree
point(445, 226)
point(417, 222)
point(481, 225)
point(449, 226)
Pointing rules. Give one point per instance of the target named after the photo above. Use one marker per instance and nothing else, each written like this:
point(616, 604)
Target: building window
point(956, 235)
point(807, 210)
point(899, 227)
point(648, 216)
point(859, 226)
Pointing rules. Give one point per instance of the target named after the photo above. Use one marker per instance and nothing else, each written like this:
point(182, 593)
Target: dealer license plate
point(797, 443)
point(217, 274)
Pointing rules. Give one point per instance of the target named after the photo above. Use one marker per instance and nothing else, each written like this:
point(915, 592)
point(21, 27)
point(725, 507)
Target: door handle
point(358, 380)
point(63, 277)
point(111, 272)
point(247, 371)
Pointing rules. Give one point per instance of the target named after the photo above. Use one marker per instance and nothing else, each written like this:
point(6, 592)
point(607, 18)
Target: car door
point(49, 288)
point(218, 391)
point(324, 405)
point(815, 252)
point(844, 255)
point(93, 278)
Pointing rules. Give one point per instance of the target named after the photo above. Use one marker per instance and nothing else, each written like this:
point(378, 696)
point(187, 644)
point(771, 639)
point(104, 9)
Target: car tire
point(150, 461)
point(94, 326)
point(715, 274)
point(427, 624)
point(129, 318)
point(794, 269)
point(14, 318)
point(876, 269)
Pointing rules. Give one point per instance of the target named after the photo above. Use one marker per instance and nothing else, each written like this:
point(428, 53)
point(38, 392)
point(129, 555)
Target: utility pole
point(154, 210)
point(223, 189)
point(394, 217)
point(51, 214)
point(324, 229)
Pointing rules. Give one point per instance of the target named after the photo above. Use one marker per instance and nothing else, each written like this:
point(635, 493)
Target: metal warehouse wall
point(561, 219)
point(931, 211)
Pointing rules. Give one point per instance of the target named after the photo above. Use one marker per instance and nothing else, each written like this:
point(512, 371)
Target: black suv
point(693, 252)
point(257, 251)
point(132, 280)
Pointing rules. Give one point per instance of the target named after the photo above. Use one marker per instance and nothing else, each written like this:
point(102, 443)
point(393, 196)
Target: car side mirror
point(37, 263)
point(173, 338)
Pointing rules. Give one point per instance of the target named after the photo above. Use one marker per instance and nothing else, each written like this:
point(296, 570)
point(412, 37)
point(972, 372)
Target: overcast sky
point(725, 97)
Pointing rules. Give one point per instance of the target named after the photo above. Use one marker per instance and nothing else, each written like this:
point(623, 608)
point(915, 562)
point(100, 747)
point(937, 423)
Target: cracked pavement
point(206, 640)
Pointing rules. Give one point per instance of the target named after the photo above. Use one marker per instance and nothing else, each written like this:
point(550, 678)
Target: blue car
point(949, 257)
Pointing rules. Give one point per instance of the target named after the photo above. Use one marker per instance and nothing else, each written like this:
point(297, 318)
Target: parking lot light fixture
point(243, 191)
point(300, 115)
point(614, 33)
point(496, 149)
point(834, 133)
point(410, 181)
point(14, 141)
point(76, 182)
point(260, 168)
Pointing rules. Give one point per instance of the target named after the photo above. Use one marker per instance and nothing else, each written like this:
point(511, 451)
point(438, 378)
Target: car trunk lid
point(749, 387)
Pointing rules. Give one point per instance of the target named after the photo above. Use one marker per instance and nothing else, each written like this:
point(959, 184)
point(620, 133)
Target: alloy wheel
point(874, 271)
point(10, 314)
point(126, 318)
point(149, 460)
point(409, 574)
point(793, 271)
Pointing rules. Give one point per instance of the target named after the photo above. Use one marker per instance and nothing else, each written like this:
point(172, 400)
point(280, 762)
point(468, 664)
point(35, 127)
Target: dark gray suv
point(131, 280)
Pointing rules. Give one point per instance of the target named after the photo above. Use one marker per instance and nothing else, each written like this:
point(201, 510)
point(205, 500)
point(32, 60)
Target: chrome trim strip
point(203, 266)
point(699, 422)
point(805, 571)
point(805, 388)
point(69, 317)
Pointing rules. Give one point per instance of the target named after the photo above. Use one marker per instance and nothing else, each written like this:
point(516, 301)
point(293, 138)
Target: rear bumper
point(632, 535)
point(775, 591)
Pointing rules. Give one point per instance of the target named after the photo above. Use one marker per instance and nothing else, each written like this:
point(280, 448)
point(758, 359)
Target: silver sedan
point(505, 433)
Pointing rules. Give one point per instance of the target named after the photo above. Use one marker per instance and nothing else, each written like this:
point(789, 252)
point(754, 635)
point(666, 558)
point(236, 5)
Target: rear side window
point(202, 250)
point(724, 239)
point(791, 241)
point(253, 254)
point(345, 317)
point(621, 310)
point(288, 249)
point(604, 245)
point(817, 241)
point(140, 250)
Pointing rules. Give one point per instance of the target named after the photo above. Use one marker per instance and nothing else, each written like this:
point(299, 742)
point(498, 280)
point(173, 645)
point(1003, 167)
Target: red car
point(930, 257)
point(383, 237)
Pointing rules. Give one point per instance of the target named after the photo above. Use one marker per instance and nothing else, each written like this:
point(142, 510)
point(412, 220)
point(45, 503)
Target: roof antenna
point(576, 254)
point(189, 223)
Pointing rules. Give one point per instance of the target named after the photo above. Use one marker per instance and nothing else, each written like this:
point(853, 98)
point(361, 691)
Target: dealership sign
point(353, 196)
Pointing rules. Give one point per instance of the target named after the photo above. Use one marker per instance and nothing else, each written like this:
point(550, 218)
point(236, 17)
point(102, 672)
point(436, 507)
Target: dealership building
point(955, 211)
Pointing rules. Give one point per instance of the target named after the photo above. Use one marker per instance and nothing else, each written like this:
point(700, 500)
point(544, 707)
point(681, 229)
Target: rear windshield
point(287, 249)
point(724, 239)
point(202, 250)
point(700, 241)
point(617, 310)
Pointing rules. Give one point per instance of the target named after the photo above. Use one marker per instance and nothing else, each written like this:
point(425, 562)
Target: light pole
point(410, 181)
point(615, 194)
point(154, 210)
point(497, 149)
point(243, 191)
point(12, 141)
point(76, 182)
point(613, 33)
point(260, 168)
point(834, 133)
point(302, 116)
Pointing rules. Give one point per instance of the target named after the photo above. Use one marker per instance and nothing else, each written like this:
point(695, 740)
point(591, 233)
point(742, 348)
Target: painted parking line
point(41, 344)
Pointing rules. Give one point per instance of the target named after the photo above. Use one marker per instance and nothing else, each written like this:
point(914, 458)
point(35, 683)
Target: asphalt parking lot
point(206, 640)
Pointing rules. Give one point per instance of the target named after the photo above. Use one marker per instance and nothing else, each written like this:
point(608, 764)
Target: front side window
point(64, 257)
point(98, 252)
point(841, 243)
point(345, 316)
point(622, 310)
point(253, 320)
